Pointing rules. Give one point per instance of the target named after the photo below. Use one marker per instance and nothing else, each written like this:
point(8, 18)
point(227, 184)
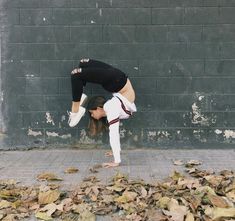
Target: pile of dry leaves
point(201, 195)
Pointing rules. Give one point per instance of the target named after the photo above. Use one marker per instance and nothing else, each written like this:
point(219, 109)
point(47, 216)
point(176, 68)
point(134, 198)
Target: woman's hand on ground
point(110, 164)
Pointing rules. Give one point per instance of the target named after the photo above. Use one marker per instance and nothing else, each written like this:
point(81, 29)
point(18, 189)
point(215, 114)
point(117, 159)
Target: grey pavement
point(147, 164)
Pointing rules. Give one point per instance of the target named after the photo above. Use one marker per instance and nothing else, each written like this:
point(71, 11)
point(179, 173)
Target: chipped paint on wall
point(198, 135)
point(122, 132)
point(49, 119)
point(34, 133)
point(135, 138)
point(66, 136)
point(198, 117)
point(217, 131)
point(151, 135)
point(229, 134)
point(63, 118)
point(163, 133)
point(54, 134)
point(84, 139)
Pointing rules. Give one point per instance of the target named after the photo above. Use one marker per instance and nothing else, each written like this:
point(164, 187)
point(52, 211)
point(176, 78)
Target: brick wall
point(179, 54)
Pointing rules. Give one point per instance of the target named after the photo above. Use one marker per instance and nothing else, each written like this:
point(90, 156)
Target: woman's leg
point(77, 89)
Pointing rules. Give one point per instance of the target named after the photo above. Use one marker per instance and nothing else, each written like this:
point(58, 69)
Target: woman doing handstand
point(120, 106)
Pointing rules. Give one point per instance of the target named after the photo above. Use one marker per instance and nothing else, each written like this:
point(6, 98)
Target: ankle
point(75, 107)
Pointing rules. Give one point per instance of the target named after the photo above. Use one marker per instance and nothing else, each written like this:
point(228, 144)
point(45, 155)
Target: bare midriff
point(128, 92)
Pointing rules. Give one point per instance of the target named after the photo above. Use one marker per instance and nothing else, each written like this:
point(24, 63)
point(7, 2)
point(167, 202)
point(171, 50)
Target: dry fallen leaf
point(217, 201)
point(43, 216)
point(192, 163)
point(48, 197)
point(5, 204)
point(189, 217)
point(202, 196)
point(217, 213)
point(178, 162)
point(86, 215)
point(48, 176)
point(71, 170)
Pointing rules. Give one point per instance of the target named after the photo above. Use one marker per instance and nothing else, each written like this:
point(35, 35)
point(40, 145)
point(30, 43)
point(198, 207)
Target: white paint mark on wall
point(100, 12)
point(96, 5)
point(151, 135)
point(163, 134)
point(1, 96)
point(52, 134)
point(63, 118)
point(200, 98)
point(29, 75)
point(49, 118)
point(122, 133)
point(217, 131)
point(229, 134)
point(136, 68)
point(44, 19)
point(34, 133)
point(85, 139)
point(66, 136)
point(92, 22)
point(198, 117)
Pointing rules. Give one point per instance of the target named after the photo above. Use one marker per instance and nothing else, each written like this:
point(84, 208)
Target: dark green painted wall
point(179, 54)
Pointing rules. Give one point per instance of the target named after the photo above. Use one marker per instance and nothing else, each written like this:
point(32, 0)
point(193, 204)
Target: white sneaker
point(74, 118)
point(83, 99)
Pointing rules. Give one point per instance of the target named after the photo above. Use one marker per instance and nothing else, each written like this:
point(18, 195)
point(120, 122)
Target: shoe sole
point(83, 101)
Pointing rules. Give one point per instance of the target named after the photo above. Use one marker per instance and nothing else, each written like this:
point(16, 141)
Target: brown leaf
point(49, 209)
point(176, 212)
point(231, 195)
point(43, 216)
point(178, 162)
point(217, 213)
point(5, 204)
point(126, 197)
point(10, 217)
point(48, 197)
point(144, 192)
point(71, 170)
point(116, 188)
point(189, 217)
point(163, 202)
point(189, 183)
point(217, 201)
point(176, 175)
point(192, 163)
point(48, 176)
point(155, 215)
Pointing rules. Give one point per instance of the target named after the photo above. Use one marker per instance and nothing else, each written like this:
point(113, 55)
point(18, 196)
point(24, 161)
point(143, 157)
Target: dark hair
point(96, 126)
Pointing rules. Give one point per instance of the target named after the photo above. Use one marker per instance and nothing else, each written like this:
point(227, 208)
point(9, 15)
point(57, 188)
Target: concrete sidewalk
point(148, 164)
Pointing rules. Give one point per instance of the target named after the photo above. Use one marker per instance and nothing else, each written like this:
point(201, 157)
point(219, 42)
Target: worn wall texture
point(179, 54)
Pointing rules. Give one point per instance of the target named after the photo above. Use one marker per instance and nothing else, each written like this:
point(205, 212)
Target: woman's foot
point(110, 164)
point(108, 154)
point(74, 118)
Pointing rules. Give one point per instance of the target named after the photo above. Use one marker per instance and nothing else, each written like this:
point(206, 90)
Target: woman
point(121, 106)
